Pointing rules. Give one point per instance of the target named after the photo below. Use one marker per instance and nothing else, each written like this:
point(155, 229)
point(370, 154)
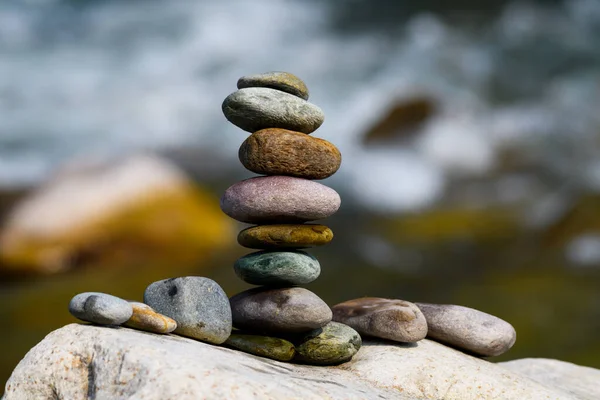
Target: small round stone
point(468, 329)
point(396, 320)
point(277, 268)
point(276, 151)
point(332, 344)
point(263, 346)
point(198, 305)
point(100, 308)
point(279, 200)
point(283, 81)
point(281, 310)
point(284, 236)
point(146, 319)
point(256, 108)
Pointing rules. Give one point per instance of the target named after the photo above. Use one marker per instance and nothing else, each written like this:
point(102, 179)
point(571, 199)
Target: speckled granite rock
point(198, 305)
point(263, 346)
point(85, 361)
point(279, 199)
point(279, 310)
point(100, 308)
point(468, 329)
point(277, 268)
point(283, 152)
point(285, 236)
point(146, 319)
point(257, 108)
point(283, 81)
point(332, 344)
point(397, 320)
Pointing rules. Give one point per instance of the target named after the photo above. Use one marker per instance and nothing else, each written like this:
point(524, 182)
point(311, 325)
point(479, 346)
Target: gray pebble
point(279, 199)
point(468, 329)
point(277, 268)
point(283, 81)
point(257, 108)
point(396, 320)
point(198, 305)
point(283, 310)
point(332, 344)
point(100, 308)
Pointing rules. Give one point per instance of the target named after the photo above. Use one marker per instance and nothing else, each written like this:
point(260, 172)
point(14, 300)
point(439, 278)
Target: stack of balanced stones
point(279, 319)
point(293, 321)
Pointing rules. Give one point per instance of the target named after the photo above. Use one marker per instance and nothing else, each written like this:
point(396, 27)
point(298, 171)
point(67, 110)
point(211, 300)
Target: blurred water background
point(470, 136)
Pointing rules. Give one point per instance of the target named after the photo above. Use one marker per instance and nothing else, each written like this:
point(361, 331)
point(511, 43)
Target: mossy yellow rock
point(285, 236)
point(135, 209)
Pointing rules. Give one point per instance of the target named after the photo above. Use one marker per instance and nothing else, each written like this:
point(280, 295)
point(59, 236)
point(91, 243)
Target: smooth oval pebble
point(100, 308)
point(279, 199)
point(332, 344)
point(396, 320)
point(264, 346)
point(285, 236)
point(256, 108)
point(146, 319)
point(277, 268)
point(279, 310)
point(468, 329)
point(198, 305)
point(283, 81)
point(282, 152)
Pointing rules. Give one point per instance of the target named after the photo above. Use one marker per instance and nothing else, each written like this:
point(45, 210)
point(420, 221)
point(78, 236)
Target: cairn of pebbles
point(279, 319)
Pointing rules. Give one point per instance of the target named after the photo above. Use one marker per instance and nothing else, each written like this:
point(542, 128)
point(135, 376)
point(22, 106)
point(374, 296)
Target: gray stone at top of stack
point(283, 81)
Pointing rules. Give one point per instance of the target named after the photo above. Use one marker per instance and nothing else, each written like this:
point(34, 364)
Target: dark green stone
point(264, 346)
point(332, 344)
point(277, 268)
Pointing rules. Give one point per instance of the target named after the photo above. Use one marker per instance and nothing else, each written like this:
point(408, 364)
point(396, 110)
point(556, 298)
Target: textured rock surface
point(468, 329)
point(146, 319)
point(582, 382)
point(285, 236)
point(277, 268)
point(100, 308)
point(263, 346)
point(332, 344)
point(391, 319)
point(253, 109)
point(283, 81)
point(282, 152)
point(279, 199)
point(82, 362)
point(279, 310)
point(198, 305)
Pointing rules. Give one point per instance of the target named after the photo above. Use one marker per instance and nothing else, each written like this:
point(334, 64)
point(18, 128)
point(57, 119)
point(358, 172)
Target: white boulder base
point(86, 361)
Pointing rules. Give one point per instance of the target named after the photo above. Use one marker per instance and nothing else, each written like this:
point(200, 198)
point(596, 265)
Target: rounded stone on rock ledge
point(275, 151)
point(332, 344)
point(277, 268)
point(198, 305)
point(279, 310)
point(285, 236)
point(256, 108)
point(283, 81)
point(100, 308)
point(146, 319)
point(279, 200)
point(264, 346)
point(396, 320)
point(468, 329)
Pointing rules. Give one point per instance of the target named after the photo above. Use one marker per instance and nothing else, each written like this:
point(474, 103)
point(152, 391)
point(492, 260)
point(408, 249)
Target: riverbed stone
point(285, 236)
point(277, 268)
point(146, 319)
point(263, 346)
point(391, 319)
point(274, 151)
point(100, 308)
point(332, 344)
point(279, 200)
point(256, 108)
point(279, 310)
point(283, 81)
point(468, 329)
point(198, 305)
